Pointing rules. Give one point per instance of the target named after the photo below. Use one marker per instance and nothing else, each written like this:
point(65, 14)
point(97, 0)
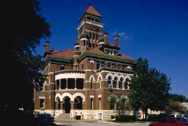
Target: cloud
point(121, 34)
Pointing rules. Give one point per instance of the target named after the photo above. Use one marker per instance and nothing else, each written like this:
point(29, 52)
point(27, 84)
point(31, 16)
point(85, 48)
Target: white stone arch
point(67, 95)
point(58, 96)
point(79, 94)
point(92, 77)
point(127, 77)
point(109, 74)
point(121, 76)
point(115, 75)
point(100, 75)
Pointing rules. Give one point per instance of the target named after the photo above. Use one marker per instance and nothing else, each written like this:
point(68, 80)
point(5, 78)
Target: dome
point(84, 35)
point(101, 39)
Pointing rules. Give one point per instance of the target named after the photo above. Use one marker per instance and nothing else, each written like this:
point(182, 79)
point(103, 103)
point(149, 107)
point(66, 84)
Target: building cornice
point(57, 58)
point(105, 56)
point(115, 70)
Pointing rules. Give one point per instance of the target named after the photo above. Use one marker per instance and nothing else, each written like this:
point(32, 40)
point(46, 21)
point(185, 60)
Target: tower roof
point(91, 10)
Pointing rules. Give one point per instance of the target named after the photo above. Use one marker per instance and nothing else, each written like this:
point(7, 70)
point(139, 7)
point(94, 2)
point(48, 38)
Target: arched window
point(91, 84)
point(120, 83)
point(109, 81)
point(126, 83)
point(78, 103)
point(115, 82)
point(100, 82)
point(58, 103)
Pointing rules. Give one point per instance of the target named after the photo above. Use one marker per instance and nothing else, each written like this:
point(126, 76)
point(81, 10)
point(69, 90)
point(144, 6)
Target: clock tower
point(90, 29)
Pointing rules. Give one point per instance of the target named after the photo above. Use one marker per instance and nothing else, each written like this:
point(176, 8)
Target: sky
point(153, 29)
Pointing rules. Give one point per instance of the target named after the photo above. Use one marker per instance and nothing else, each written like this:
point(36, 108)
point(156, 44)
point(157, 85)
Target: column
point(117, 86)
point(60, 84)
point(111, 83)
point(123, 84)
point(75, 82)
point(66, 83)
point(72, 105)
point(83, 105)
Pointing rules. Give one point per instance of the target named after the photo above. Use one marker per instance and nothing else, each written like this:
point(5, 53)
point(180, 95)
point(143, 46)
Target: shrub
point(128, 118)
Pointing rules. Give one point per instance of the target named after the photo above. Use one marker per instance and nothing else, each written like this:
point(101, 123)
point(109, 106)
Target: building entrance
point(67, 105)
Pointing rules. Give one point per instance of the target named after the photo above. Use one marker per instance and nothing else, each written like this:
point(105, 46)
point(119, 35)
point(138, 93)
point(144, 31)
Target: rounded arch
point(67, 95)
point(109, 74)
point(127, 77)
point(79, 94)
point(121, 76)
point(116, 75)
point(100, 76)
point(92, 77)
point(58, 96)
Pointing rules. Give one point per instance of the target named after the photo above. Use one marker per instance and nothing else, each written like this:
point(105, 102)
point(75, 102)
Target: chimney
point(47, 47)
point(106, 38)
point(116, 37)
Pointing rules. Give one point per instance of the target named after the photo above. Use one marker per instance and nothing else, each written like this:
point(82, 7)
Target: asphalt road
point(100, 124)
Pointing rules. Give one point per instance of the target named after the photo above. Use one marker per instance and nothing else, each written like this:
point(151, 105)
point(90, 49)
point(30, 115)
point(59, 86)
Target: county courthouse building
point(80, 80)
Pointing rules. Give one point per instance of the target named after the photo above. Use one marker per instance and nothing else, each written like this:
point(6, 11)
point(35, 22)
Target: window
point(112, 106)
point(119, 66)
point(91, 104)
point(98, 64)
point(57, 84)
point(99, 104)
point(113, 65)
point(109, 81)
point(99, 82)
point(63, 83)
point(102, 64)
point(115, 82)
point(123, 67)
point(42, 103)
point(71, 83)
point(79, 83)
point(91, 85)
point(109, 64)
point(120, 83)
point(126, 83)
point(62, 67)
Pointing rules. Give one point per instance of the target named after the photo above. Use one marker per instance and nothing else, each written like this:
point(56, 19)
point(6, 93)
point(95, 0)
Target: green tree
point(175, 106)
point(149, 88)
point(21, 29)
point(120, 101)
point(177, 97)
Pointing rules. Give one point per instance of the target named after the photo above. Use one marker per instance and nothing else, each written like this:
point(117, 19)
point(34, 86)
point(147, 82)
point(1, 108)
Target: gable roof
point(68, 53)
point(93, 11)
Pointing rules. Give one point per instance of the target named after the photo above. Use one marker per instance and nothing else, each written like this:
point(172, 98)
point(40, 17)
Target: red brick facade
point(81, 80)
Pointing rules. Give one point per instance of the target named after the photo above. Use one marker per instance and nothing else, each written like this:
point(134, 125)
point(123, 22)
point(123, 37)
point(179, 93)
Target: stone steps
point(63, 117)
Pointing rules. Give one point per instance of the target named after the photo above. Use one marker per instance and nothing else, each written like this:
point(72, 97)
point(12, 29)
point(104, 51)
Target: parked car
point(45, 119)
point(171, 121)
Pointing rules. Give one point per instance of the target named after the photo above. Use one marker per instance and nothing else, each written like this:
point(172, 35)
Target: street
point(100, 124)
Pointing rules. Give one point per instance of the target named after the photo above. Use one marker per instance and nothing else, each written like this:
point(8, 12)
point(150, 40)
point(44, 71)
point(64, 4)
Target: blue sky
point(153, 29)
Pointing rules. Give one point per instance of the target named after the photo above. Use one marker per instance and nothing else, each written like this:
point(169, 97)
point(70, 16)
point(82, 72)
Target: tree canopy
point(178, 97)
point(149, 88)
point(21, 29)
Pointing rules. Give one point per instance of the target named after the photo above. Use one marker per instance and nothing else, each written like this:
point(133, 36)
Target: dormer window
point(109, 64)
point(89, 18)
point(113, 65)
point(119, 66)
point(102, 64)
point(62, 67)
